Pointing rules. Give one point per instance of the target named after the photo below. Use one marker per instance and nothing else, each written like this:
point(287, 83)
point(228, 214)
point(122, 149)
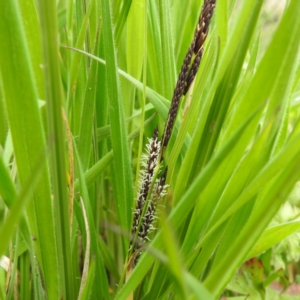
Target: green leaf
point(199, 291)
point(124, 184)
point(167, 48)
point(154, 48)
point(27, 135)
point(33, 38)
point(273, 236)
point(54, 104)
point(76, 59)
point(135, 38)
point(222, 14)
point(122, 18)
point(8, 228)
point(174, 260)
point(88, 112)
point(7, 188)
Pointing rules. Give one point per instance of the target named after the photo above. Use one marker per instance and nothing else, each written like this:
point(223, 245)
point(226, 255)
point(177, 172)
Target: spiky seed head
point(150, 164)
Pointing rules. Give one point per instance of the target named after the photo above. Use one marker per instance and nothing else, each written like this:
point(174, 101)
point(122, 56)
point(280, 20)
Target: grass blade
point(27, 135)
point(124, 183)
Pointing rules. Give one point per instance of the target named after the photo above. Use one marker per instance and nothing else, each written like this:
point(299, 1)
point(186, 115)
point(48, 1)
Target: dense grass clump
point(148, 150)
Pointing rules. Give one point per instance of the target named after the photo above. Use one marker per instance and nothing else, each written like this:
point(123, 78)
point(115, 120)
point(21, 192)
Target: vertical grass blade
point(8, 228)
point(27, 135)
point(168, 57)
point(48, 20)
point(33, 38)
point(124, 184)
point(135, 38)
point(88, 112)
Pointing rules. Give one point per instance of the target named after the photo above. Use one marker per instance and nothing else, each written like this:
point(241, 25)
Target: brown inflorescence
point(189, 70)
point(193, 71)
point(178, 91)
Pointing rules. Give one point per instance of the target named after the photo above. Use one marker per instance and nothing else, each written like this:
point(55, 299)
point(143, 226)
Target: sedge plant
point(86, 86)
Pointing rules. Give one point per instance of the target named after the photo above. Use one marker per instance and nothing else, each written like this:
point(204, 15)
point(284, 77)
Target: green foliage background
point(83, 84)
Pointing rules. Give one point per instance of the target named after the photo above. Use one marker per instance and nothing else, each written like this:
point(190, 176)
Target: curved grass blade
point(88, 111)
